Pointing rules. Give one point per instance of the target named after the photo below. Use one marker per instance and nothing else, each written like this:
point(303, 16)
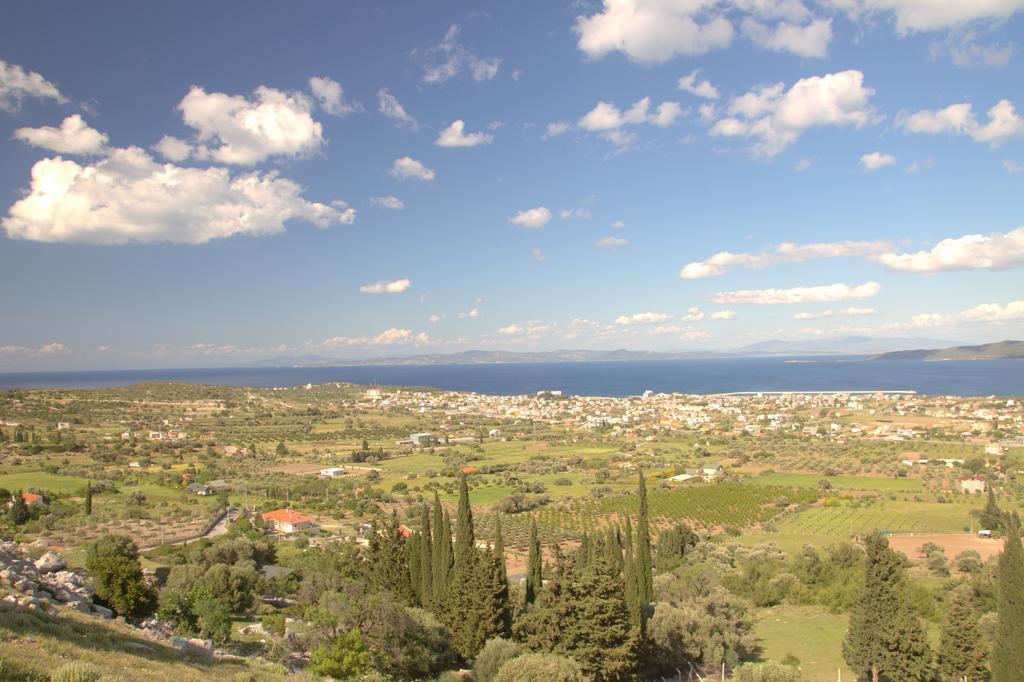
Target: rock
point(200, 648)
point(139, 646)
point(103, 611)
point(51, 562)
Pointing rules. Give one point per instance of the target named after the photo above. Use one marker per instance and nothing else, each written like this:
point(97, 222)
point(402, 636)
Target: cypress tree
point(1008, 648)
point(426, 586)
point(441, 552)
point(613, 548)
point(885, 638)
point(88, 498)
point(499, 550)
point(631, 592)
point(18, 513)
point(991, 516)
point(644, 573)
point(465, 542)
point(412, 560)
point(388, 566)
point(533, 565)
point(583, 552)
point(961, 648)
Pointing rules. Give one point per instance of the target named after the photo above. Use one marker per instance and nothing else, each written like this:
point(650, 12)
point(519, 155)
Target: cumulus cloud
point(73, 137)
point(1012, 166)
point(642, 318)
point(455, 136)
point(389, 105)
point(236, 130)
point(618, 224)
point(16, 84)
point(807, 40)
point(985, 313)
point(610, 242)
point(815, 294)
point(388, 337)
point(129, 197)
point(385, 287)
point(435, 318)
point(971, 252)
point(1004, 123)
point(775, 117)
point(532, 218)
point(388, 201)
point(653, 31)
point(876, 160)
point(574, 214)
point(469, 314)
point(931, 15)
point(555, 129)
point(722, 262)
point(331, 96)
point(703, 88)
point(53, 348)
point(450, 59)
point(845, 312)
point(693, 314)
point(609, 121)
point(964, 49)
point(724, 315)
point(409, 168)
point(173, 148)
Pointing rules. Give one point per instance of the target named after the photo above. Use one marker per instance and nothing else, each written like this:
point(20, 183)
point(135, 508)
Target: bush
point(114, 563)
point(547, 667)
point(496, 653)
point(765, 672)
point(75, 672)
point(344, 658)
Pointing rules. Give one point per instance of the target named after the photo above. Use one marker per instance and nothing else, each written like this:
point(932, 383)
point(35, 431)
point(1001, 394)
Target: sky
point(207, 184)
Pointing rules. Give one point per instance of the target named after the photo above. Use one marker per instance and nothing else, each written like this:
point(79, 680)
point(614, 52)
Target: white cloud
point(964, 50)
point(653, 31)
point(724, 315)
point(610, 242)
point(876, 160)
point(931, 15)
point(331, 96)
point(809, 40)
point(73, 137)
point(436, 318)
point(1012, 166)
point(703, 88)
point(845, 312)
point(469, 314)
point(985, 313)
point(776, 117)
point(555, 129)
point(693, 314)
point(408, 167)
point(537, 255)
point(388, 337)
point(173, 149)
point(532, 218)
point(1003, 124)
point(388, 201)
point(16, 84)
point(128, 197)
point(574, 214)
point(245, 132)
point(642, 318)
point(456, 136)
point(825, 293)
point(450, 59)
point(510, 330)
point(970, 252)
point(804, 164)
point(389, 105)
point(722, 262)
point(385, 287)
point(608, 120)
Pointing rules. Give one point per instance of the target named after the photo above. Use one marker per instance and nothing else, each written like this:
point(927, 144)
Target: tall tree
point(1008, 647)
point(499, 549)
point(465, 541)
point(18, 512)
point(426, 586)
point(631, 591)
point(412, 560)
point(534, 565)
point(992, 516)
point(962, 651)
point(441, 552)
point(88, 498)
point(885, 637)
point(644, 570)
point(388, 562)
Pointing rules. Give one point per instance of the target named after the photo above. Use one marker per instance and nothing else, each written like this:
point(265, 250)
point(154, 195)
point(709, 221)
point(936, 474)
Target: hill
point(1002, 350)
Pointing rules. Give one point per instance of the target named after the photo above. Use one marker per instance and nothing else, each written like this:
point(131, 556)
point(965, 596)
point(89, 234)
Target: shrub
point(76, 671)
point(496, 653)
point(547, 667)
point(343, 658)
point(765, 672)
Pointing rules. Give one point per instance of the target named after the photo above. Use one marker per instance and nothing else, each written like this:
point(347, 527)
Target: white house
point(972, 485)
point(423, 439)
point(288, 520)
point(333, 472)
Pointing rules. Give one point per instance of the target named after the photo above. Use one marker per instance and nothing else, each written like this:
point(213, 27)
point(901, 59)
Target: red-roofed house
point(289, 520)
point(33, 500)
point(405, 530)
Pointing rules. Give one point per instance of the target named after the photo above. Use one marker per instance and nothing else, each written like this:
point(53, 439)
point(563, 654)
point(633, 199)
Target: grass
point(33, 645)
point(877, 483)
point(812, 634)
point(42, 480)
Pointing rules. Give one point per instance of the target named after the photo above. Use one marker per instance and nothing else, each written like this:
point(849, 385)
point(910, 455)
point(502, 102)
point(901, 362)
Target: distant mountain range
point(847, 345)
point(1003, 350)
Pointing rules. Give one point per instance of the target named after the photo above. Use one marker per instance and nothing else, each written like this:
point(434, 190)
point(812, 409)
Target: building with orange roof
point(288, 521)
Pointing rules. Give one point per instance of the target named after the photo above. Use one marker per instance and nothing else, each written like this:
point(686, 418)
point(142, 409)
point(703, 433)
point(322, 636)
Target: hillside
point(1002, 350)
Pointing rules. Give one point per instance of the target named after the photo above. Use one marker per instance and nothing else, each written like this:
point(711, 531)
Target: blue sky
point(209, 183)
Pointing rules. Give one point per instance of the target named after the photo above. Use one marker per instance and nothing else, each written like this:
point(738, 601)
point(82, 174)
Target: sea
point(609, 378)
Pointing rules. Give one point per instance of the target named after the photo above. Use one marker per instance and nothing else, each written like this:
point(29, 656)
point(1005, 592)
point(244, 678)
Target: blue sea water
point(712, 375)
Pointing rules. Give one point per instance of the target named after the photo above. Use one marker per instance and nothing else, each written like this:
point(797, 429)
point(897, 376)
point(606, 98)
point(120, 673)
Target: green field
point(40, 480)
point(812, 634)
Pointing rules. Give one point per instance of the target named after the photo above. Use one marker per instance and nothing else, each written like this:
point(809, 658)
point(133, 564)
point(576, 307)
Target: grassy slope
point(32, 646)
point(812, 634)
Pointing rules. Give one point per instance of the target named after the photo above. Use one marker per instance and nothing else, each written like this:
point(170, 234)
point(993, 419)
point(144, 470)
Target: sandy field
point(953, 543)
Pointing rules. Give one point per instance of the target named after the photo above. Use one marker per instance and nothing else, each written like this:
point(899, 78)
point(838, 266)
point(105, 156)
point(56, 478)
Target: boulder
point(51, 562)
point(103, 611)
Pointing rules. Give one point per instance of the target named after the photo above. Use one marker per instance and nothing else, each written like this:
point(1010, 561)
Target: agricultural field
point(811, 635)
